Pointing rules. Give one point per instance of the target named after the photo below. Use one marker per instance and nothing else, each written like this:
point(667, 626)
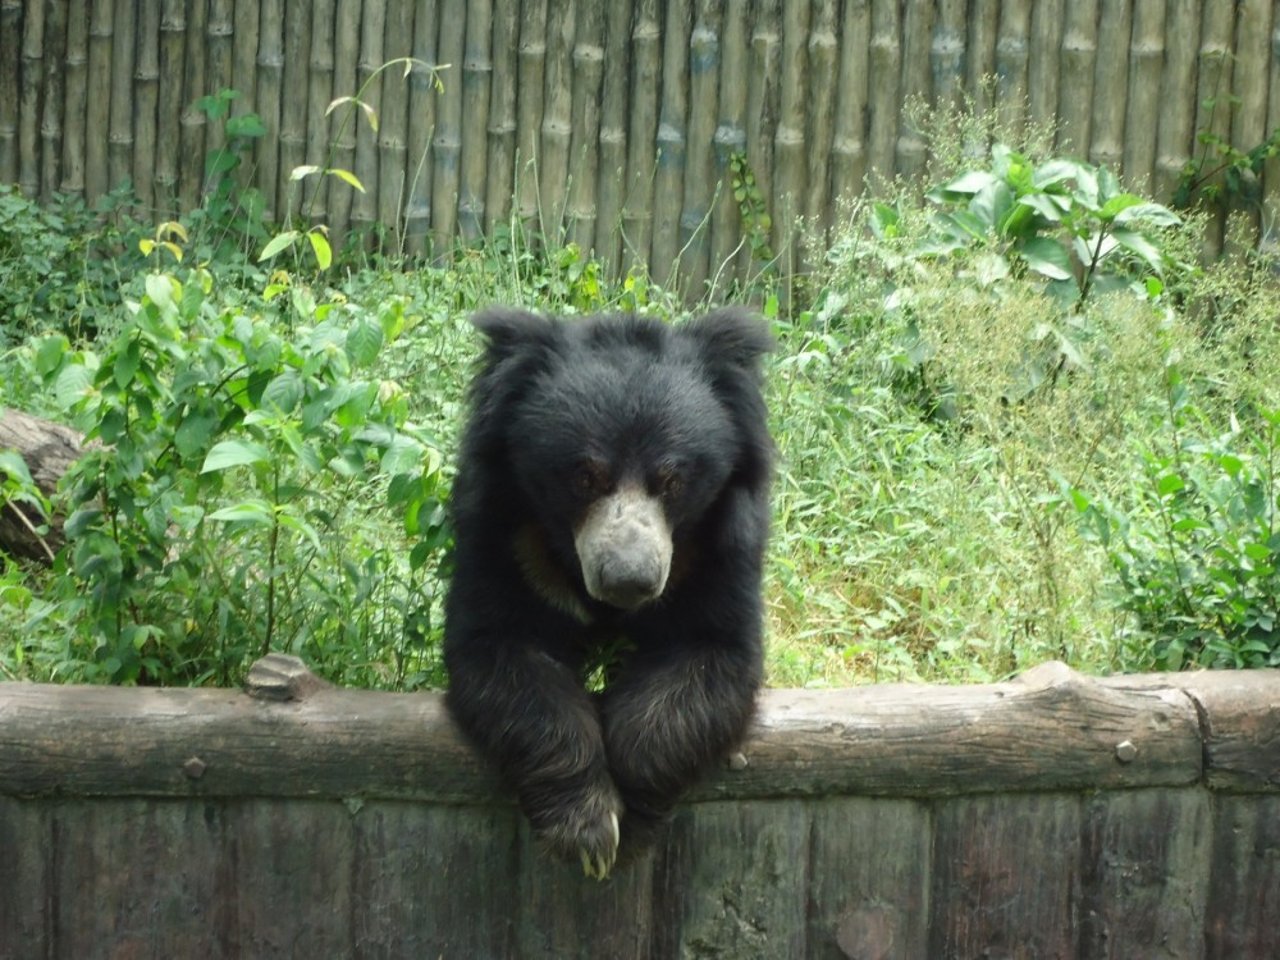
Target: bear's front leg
point(527, 712)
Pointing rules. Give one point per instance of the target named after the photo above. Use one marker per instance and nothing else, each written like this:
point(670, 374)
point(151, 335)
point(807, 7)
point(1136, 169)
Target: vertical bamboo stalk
point(1213, 92)
point(423, 101)
point(54, 99)
point(320, 93)
point(1044, 66)
point(448, 139)
point(789, 147)
point(1146, 64)
point(10, 77)
point(980, 66)
point(668, 185)
point(96, 117)
point(529, 109)
point(146, 96)
point(293, 106)
point(946, 55)
point(220, 41)
point(393, 119)
point(910, 150)
point(584, 144)
point(191, 154)
point(172, 48)
point(364, 206)
point(1011, 63)
point(31, 73)
point(823, 77)
point(849, 148)
point(500, 178)
point(477, 74)
point(642, 130)
point(553, 141)
point(77, 98)
point(885, 69)
point(1111, 84)
point(1248, 128)
point(1079, 54)
point(763, 95)
point(245, 28)
point(1175, 135)
point(120, 150)
point(1271, 170)
point(613, 136)
point(700, 178)
point(344, 121)
point(730, 138)
point(270, 85)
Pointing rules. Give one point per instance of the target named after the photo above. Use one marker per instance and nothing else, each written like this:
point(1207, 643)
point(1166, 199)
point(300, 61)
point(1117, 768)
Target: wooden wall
point(1051, 817)
point(612, 124)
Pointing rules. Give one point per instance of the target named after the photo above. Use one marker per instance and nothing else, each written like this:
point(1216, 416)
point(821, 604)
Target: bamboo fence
point(613, 126)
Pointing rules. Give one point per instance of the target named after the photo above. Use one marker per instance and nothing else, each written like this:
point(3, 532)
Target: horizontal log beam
point(291, 735)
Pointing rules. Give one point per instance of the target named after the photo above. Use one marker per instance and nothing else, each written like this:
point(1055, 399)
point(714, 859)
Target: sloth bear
point(610, 514)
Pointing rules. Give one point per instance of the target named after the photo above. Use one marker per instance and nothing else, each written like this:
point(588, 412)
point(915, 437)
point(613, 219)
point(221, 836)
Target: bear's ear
point(511, 331)
point(731, 335)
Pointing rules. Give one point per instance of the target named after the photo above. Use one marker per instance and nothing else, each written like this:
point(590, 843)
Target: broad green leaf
point(280, 241)
point(346, 176)
point(15, 466)
point(1137, 243)
point(1055, 172)
point(49, 353)
point(160, 289)
point(1047, 257)
point(971, 182)
point(320, 246)
point(250, 511)
point(364, 340)
point(1169, 483)
point(234, 453)
point(1117, 204)
point(194, 432)
point(72, 384)
point(1152, 213)
point(283, 393)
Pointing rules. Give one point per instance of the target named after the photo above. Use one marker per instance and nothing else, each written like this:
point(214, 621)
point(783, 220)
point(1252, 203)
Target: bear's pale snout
point(624, 549)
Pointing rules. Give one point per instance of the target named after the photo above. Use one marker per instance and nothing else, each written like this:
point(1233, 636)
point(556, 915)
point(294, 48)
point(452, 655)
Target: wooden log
point(25, 907)
point(76, 83)
point(48, 449)
point(1144, 861)
point(886, 741)
point(1244, 883)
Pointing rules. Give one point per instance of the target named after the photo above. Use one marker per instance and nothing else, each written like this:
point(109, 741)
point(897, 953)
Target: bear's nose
point(630, 580)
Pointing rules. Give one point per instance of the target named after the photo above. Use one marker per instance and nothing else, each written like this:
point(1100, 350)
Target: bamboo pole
point(293, 107)
point(700, 174)
point(1011, 63)
point(885, 67)
point(553, 140)
point(642, 128)
point(120, 150)
point(220, 41)
point(763, 97)
point(910, 150)
point(500, 184)
point(11, 16)
point(1045, 61)
point(1175, 135)
point(170, 54)
point(823, 79)
point(97, 111)
point(1270, 239)
point(529, 109)
point(727, 240)
point(345, 120)
point(1146, 65)
point(246, 29)
point(980, 57)
point(54, 99)
point(789, 147)
point(364, 206)
point(320, 92)
point(1106, 146)
point(448, 135)
point(77, 98)
point(849, 147)
point(668, 185)
point(477, 77)
point(30, 72)
point(947, 54)
point(1249, 122)
point(1079, 54)
point(269, 104)
point(613, 136)
point(191, 185)
point(393, 120)
point(423, 101)
point(146, 104)
point(1213, 114)
point(584, 143)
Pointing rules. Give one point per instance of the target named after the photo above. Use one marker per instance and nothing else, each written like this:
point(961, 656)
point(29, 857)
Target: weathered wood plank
point(869, 866)
point(1145, 874)
point(1006, 878)
point(728, 882)
point(1243, 914)
point(433, 881)
point(24, 879)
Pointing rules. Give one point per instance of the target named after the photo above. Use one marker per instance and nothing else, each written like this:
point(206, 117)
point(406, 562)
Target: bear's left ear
point(509, 331)
point(732, 335)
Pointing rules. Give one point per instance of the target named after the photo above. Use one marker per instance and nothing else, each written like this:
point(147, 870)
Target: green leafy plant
point(1223, 175)
point(757, 225)
point(231, 218)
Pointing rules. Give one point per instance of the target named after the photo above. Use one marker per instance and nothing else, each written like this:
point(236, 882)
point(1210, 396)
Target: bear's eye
point(670, 482)
point(591, 478)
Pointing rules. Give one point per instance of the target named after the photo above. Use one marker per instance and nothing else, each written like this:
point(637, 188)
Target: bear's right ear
point(512, 332)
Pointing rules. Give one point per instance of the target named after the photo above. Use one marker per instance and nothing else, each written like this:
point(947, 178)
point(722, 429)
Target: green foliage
point(1224, 176)
point(757, 225)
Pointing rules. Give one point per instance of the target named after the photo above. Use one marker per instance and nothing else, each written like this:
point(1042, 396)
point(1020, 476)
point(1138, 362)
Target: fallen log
point(48, 449)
